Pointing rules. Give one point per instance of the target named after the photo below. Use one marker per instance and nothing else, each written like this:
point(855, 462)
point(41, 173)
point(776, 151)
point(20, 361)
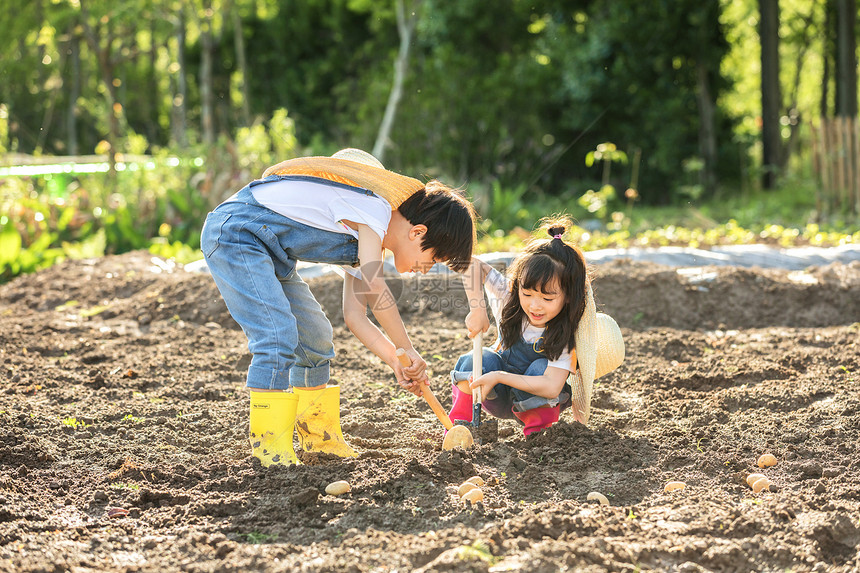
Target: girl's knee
point(490, 361)
point(537, 368)
point(463, 363)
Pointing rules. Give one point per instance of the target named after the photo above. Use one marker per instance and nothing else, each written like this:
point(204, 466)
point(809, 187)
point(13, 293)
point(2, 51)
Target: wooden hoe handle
point(477, 364)
point(427, 393)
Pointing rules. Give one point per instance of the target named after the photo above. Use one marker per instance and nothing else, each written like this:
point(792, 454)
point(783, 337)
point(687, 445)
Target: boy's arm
point(383, 305)
point(473, 282)
point(355, 317)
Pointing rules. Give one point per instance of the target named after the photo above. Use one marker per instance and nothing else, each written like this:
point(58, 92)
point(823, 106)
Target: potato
point(761, 484)
point(473, 496)
point(465, 487)
point(752, 478)
point(673, 485)
point(477, 480)
point(596, 495)
point(458, 437)
point(766, 460)
point(337, 488)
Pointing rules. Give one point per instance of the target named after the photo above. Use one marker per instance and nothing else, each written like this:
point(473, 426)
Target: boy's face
point(410, 257)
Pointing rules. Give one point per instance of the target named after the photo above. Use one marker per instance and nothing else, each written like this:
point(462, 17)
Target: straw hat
point(354, 167)
point(359, 156)
point(599, 350)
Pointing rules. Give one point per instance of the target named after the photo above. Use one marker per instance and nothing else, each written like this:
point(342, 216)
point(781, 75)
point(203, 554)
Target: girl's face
point(542, 306)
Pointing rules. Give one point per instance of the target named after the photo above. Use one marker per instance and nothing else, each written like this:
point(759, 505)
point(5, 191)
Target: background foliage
point(512, 91)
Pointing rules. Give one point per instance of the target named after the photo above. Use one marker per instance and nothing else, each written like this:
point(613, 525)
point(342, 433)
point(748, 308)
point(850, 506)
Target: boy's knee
point(325, 332)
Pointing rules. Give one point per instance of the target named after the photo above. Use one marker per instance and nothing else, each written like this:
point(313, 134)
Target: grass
point(122, 485)
point(784, 217)
point(46, 229)
point(256, 537)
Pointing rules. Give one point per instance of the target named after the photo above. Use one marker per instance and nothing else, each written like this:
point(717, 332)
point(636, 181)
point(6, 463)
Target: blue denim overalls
point(252, 253)
point(523, 358)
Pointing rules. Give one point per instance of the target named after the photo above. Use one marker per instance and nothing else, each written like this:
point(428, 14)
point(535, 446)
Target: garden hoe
point(456, 436)
point(486, 431)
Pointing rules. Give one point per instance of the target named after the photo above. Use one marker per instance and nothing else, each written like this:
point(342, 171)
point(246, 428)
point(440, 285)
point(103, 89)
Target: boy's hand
point(412, 386)
point(477, 322)
point(411, 377)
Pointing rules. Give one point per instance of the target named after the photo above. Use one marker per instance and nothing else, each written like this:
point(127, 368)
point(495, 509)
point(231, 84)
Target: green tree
point(771, 95)
point(645, 75)
point(846, 58)
point(498, 95)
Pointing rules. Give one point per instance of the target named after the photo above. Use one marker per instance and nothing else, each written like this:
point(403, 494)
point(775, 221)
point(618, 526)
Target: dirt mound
point(123, 434)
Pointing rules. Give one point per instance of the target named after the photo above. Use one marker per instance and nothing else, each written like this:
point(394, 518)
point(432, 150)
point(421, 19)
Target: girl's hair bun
point(556, 225)
point(556, 231)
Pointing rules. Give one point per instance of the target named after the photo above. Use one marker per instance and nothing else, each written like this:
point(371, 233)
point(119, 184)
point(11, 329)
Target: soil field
point(124, 434)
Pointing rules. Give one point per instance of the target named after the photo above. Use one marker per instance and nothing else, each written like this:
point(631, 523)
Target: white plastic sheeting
point(762, 256)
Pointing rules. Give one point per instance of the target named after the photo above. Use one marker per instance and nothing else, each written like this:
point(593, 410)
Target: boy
point(344, 209)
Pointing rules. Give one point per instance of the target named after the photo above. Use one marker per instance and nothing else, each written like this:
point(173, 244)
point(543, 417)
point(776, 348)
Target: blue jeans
point(504, 400)
point(252, 253)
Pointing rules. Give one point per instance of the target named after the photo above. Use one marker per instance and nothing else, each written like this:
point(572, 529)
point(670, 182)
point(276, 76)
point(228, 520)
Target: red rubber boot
point(538, 419)
point(462, 405)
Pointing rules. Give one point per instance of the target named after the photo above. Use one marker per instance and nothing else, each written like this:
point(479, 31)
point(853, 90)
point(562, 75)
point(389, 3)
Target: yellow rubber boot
point(273, 419)
point(318, 422)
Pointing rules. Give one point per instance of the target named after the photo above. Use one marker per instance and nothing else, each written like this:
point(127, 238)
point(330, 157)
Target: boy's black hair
point(541, 262)
point(450, 221)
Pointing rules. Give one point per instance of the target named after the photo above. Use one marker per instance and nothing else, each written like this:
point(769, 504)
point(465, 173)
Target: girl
point(548, 330)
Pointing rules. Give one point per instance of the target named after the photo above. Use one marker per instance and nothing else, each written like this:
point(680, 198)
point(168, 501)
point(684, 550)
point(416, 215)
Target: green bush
point(158, 202)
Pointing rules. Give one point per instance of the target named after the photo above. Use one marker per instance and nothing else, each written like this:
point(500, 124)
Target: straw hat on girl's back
point(599, 350)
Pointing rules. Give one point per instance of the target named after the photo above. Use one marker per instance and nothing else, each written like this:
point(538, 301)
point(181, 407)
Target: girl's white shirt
point(498, 288)
point(324, 205)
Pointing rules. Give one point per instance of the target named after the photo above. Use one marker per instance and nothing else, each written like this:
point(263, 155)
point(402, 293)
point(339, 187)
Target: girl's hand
point(477, 322)
point(485, 383)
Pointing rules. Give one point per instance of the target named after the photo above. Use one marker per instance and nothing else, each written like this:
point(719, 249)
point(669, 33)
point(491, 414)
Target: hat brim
point(599, 350)
point(359, 156)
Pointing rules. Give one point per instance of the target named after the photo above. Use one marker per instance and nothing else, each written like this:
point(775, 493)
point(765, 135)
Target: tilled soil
point(124, 422)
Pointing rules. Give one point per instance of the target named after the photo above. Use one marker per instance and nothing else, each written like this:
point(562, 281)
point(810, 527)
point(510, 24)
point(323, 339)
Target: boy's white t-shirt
point(498, 288)
point(325, 205)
